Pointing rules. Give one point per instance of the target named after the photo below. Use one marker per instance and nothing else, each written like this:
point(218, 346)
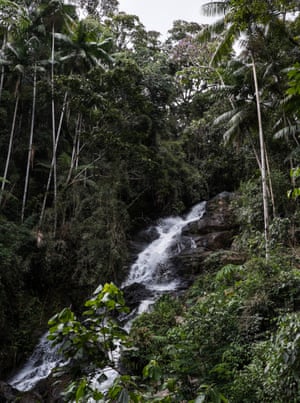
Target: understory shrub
point(236, 334)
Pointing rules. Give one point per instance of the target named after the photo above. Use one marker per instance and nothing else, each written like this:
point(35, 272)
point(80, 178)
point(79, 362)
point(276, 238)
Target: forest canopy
point(104, 128)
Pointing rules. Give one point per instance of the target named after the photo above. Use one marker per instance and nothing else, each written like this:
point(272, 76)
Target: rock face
point(9, 394)
point(213, 232)
point(219, 217)
point(134, 294)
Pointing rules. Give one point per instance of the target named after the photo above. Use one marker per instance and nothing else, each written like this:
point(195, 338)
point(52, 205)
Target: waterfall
point(151, 269)
point(39, 365)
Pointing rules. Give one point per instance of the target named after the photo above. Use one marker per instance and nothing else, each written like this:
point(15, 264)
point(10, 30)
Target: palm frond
point(228, 135)
point(233, 119)
point(238, 117)
point(210, 31)
point(70, 56)
point(287, 131)
point(225, 117)
point(268, 70)
point(241, 71)
point(288, 98)
point(4, 62)
point(215, 8)
point(226, 44)
point(294, 154)
point(277, 123)
point(105, 56)
point(20, 68)
point(243, 42)
point(64, 38)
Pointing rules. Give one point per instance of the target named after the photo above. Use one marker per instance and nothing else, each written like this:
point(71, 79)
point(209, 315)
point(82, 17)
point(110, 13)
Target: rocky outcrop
point(214, 232)
point(134, 294)
point(9, 394)
point(47, 390)
point(219, 217)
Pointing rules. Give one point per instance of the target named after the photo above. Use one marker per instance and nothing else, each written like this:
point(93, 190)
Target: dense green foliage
point(236, 335)
point(104, 128)
point(86, 345)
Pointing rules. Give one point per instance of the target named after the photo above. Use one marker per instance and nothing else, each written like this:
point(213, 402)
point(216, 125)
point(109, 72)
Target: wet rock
point(213, 233)
point(51, 388)
point(134, 294)
point(7, 393)
point(141, 240)
point(10, 394)
point(148, 235)
point(214, 240)
point(219, 216)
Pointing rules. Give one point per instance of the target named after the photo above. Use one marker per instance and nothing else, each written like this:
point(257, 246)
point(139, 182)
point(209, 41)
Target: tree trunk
point(1, 81)
point(54, 145)
point(53, 163)
point(75, 149)
point(262, 161)
point(12, 132)
point(30, 149)
point(2, 68)
point(270, 184)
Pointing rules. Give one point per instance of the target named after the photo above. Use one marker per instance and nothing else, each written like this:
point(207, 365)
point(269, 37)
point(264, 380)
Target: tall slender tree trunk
point(1, 81)
point(30, 148)
point(54, 145)
point(2, 67)
point(53, 163)
point(270, 187)
point(76, 148)
point(262, 161)
point(11, 137)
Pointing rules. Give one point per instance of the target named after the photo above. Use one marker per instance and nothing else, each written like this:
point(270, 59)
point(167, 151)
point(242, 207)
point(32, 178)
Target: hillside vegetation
point(105, 128)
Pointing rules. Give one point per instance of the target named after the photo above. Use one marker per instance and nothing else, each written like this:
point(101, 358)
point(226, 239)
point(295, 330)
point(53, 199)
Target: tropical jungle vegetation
point(104, 128)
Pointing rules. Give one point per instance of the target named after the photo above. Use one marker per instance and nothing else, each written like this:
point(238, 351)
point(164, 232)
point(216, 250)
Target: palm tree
point(80, 51)
point(30, 145)
point(13, 18)
point(54, 15)
point(19, 57)
point(263, 157)
point(85, 48)
point(249, 19)
point(11, 137)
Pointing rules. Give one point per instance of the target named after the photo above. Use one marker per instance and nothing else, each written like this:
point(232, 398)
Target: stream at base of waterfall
point(150, 269)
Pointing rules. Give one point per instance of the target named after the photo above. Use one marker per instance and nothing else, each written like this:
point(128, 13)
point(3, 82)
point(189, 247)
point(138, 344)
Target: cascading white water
point(39, 365)
point(150, 269)
point(151, 266)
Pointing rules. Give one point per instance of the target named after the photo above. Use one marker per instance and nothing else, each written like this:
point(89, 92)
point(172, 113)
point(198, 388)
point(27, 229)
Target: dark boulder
point(219, 216)
point(134, 294)
point(51, 388)
point(10, 394)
